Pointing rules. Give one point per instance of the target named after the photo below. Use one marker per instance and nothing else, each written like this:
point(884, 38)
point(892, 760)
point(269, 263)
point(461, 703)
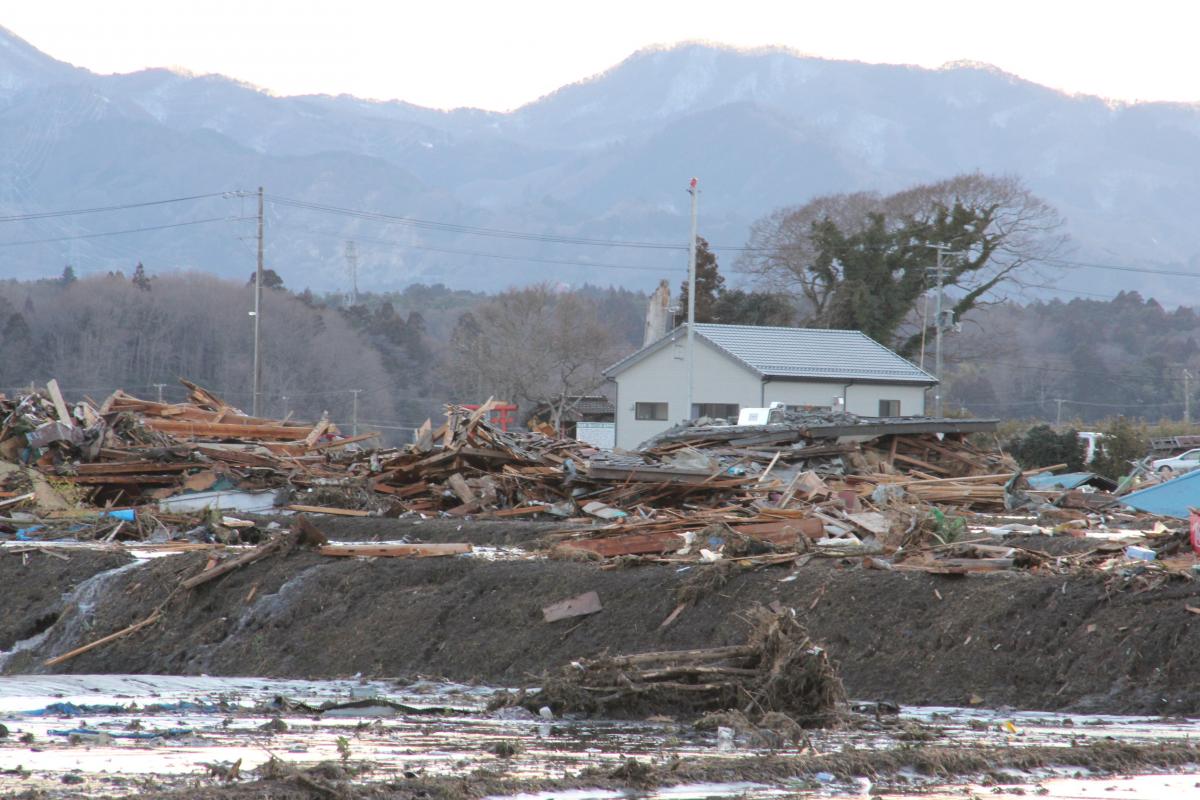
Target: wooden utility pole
point(258, 281)
point(694, 190)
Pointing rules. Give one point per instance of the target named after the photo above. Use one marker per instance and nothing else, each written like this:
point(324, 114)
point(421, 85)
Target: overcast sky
point(500, 54)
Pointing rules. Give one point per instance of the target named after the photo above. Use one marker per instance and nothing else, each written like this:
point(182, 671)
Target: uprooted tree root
point(779, 669)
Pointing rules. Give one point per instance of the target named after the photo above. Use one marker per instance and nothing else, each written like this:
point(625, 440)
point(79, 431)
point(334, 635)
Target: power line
point(1130, 376)
point(1066, 401)
point(481, 254)
point(126, 231)
point(473, 230)
point(1119, 268)
point(100, 209)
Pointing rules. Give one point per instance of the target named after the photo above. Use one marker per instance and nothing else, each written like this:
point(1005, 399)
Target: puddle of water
point(229, 723)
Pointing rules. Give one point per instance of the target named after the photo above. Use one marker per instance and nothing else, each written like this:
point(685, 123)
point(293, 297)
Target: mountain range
point(605, 159)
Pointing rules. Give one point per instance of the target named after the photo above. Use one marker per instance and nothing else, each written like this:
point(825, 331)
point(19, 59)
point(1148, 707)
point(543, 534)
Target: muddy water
point(446, 730)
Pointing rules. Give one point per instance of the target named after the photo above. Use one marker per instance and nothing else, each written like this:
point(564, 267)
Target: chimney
point(657, 314)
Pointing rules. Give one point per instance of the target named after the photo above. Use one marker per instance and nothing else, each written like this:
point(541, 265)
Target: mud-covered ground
point(1008, 639)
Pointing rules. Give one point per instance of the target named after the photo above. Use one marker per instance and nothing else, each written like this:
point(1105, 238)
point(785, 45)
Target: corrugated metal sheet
point(812, 353)
point(1170, 499)
point(1066, 480)
point(800, 353)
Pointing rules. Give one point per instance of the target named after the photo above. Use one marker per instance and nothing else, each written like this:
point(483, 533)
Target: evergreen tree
point(738, 307)
point(1122, 445)
point(1042, 446)
point(270, 280)
point(140, 279)
point(68, 276)
point(709, 284)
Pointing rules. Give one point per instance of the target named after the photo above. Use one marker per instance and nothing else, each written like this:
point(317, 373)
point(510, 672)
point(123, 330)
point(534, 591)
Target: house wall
point(861, 398)
point(662, 376)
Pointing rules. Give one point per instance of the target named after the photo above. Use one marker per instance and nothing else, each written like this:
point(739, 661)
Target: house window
point(889, 408)
point(715, 410)
point(654, 411)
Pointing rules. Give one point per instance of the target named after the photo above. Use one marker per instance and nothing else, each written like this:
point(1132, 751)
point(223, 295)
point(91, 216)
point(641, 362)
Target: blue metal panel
point(1170, 499)
point(1067, 480)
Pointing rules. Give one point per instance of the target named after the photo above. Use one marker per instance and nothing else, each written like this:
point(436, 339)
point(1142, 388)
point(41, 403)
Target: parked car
point(1184, 462)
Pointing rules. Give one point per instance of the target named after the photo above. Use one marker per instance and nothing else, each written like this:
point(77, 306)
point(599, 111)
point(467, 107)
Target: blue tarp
point(1170, 499)
point(169, 732)
point(73, 710)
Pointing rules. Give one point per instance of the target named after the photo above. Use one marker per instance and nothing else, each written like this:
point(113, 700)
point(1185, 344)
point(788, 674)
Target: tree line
point(861, 261)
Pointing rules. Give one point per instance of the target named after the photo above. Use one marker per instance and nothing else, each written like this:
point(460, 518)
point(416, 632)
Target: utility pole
point(1187, 397)
point(160, 387)
point(694, 191)
point(1058, 414)
point(924, 325)
point(937, 396)
point(354, 413)
point(352, 266)
point(258, 281)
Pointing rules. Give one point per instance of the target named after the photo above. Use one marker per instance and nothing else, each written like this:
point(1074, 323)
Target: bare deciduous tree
point(817, 251)
point(532, 346)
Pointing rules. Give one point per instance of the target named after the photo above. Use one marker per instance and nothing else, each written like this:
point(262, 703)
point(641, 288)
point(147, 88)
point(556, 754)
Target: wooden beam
point(262, 551)
point(60, 405)
point(78, 651)
point(340, 512)
point(415, 550)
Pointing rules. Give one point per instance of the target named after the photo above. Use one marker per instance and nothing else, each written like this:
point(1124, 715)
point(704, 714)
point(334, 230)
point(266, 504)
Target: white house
point(746, 366)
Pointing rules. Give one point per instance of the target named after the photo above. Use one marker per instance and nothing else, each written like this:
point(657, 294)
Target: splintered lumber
point(413, 550)
point(225, 430)
point(362, 437)
point(634, 544)
point(78, 651)
point(262, 551)
point(60, 405)
point(519, 511)
point(317, 432)
point(778, 670)
point(340, 512)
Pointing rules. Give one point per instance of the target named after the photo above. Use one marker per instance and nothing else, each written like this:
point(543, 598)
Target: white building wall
point(861, 398)
point(662, 377)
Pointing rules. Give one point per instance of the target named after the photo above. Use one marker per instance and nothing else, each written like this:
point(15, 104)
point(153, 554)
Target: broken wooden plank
point(629, 545)
point(411, 550)
point(362, 437)
point(78, 651)
point(578, 606)
point(317, 431)
point(519, 511)
point(339, 512)
point(458, 485)
point(60, 405)
point(262, 551)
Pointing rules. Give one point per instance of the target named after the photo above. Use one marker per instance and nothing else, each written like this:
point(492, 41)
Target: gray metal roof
point(799, 353)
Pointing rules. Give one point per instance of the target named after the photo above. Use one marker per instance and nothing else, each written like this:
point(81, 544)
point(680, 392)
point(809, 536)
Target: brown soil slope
point(1035, 642)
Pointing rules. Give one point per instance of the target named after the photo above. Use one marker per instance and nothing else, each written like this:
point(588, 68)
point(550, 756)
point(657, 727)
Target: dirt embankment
point(1016, 639)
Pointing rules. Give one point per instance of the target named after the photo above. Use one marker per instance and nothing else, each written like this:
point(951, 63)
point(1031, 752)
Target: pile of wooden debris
point(777, 670)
